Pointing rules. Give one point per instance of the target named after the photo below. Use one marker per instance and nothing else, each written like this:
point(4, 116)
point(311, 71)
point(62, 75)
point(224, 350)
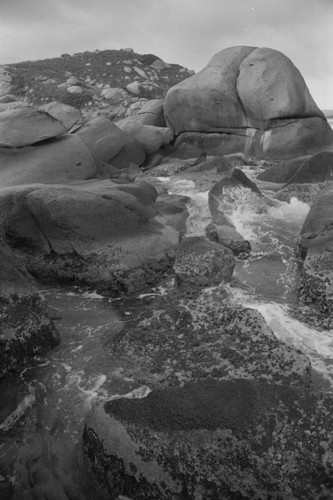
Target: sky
point(186, 32)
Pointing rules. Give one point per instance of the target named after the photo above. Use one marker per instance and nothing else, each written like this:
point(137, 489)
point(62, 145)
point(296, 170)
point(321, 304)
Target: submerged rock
point(249, 100)
point(201, 263)
point(230, 439)
point(25, 327)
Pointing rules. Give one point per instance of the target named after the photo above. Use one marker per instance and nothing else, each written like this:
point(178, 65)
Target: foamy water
point(271, 273)
point(198, 210)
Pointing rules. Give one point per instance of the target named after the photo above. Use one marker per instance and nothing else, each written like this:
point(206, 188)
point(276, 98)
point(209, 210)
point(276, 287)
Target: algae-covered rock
point(230, 439)
point(178, 340)
point(25, 327)
point(201, 263)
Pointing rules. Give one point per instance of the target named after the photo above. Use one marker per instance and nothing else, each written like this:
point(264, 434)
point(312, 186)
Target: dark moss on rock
point(25, 328)
point(174, 341)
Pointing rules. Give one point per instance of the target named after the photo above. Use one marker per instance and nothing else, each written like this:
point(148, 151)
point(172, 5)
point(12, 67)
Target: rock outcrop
point(25, 328)
point(250, 100)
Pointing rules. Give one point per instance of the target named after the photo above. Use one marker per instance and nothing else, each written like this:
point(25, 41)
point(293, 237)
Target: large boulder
point(22, 125)
point(61, 160)
point(315, 246)
point(95, 232)
point(111, 144)
point(25, 328)
point(250, 100)
point(214, 440)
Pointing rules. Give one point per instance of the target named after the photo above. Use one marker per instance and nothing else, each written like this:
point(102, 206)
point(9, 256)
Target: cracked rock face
point(251, 100)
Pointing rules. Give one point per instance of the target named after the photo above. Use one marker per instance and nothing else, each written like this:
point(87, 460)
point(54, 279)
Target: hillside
point(88, 80)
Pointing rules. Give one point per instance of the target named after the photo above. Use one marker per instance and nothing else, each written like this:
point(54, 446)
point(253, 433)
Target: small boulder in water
point(228, 236)
point(201, 263)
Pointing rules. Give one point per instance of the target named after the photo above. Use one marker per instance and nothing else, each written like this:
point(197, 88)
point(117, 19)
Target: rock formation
point(250, 100)
point(97, 233)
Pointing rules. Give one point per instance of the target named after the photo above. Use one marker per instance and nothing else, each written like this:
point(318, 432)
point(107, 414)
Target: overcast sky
point(187, 32)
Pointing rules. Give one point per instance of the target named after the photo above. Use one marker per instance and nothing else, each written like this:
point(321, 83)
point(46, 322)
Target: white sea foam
point(198, 210)
point(21, 408)
point(316, 344)
point(139, 393)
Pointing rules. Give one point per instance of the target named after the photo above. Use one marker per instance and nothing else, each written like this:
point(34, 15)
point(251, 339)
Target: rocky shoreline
point(232, 411)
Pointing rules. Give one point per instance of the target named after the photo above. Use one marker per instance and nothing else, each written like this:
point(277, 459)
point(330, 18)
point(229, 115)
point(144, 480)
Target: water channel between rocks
point(42, 413)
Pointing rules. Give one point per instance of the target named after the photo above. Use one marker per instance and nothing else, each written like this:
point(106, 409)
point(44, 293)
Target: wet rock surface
point(25, 327)
point(178, 340)
point(214, 439)
point(199, 264)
